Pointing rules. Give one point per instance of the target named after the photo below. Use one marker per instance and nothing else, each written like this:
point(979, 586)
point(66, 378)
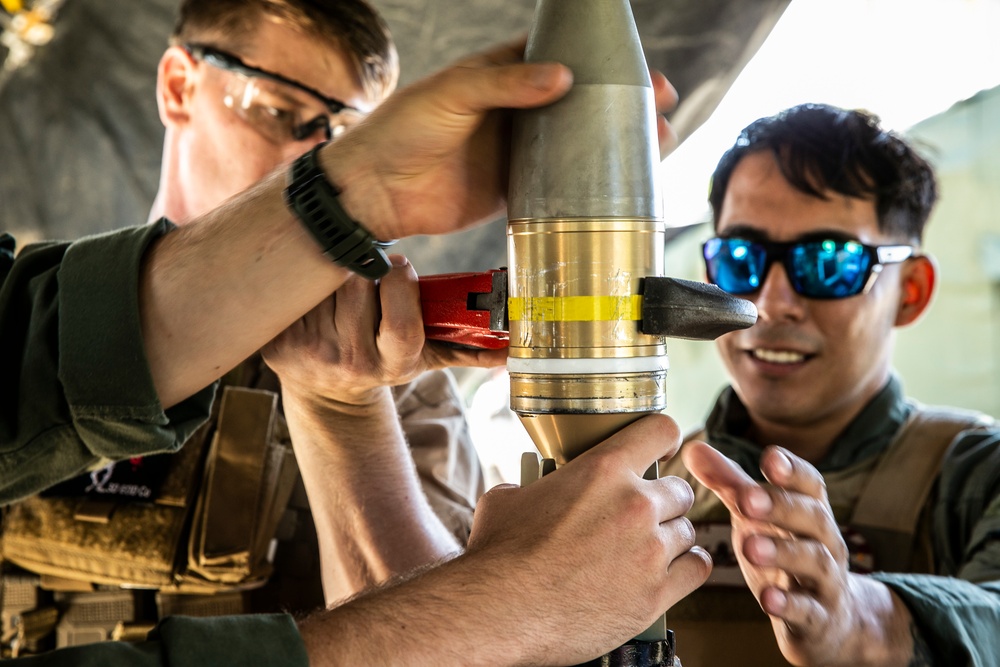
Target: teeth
point(779, 356)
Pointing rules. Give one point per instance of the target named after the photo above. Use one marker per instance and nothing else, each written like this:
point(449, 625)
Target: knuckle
point(408, 334)
point(838, 550)
point(697, 565)
point(680, 491)
point(818, 480)
point(819, 554)
point(818, 514)
point(641, 508)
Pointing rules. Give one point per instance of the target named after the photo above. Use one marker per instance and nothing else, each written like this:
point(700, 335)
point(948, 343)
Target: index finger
point(442, 355)
point(663, 92)
point(717, 473)
point(665, 96)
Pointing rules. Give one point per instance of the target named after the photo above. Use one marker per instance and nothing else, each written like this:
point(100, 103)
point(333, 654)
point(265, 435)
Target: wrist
point(316, 202)
point(349, 167)
point(882, 634)
point(347, 406)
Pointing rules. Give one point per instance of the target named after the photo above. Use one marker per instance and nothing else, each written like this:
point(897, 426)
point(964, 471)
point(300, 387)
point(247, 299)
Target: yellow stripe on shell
point(574, 308)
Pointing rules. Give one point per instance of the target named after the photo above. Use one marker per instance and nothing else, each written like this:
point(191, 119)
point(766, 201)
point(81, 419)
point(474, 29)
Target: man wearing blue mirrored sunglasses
point(822, 467)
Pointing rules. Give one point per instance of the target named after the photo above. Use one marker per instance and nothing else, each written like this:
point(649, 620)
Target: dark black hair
point(821, 148)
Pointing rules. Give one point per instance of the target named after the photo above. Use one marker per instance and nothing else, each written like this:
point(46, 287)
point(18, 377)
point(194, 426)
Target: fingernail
point(766, 550)
point(776, 601)
point(759, 502)
point(545, 75)
point(782, 464)
point(398, 260)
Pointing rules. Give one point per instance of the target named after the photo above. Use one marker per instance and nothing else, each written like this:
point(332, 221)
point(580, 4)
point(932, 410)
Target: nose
point(776, 300)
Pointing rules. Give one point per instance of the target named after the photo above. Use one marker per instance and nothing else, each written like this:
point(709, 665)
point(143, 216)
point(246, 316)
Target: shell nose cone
point(597, 39)
point(594, 153)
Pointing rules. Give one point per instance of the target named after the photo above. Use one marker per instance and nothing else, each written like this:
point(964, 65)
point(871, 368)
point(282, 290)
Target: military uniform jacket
point(917, 490)
point(75, 388)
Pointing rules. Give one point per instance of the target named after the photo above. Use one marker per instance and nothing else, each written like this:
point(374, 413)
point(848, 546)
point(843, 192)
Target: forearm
point(456, 614)
point(217, 290)
point(372, 519)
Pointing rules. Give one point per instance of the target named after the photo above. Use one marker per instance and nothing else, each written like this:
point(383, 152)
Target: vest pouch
point(247, 469)
point(115, 543)
point(207, 530)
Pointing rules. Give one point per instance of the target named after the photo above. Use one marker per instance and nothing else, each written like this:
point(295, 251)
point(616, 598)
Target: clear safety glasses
point(279, 108)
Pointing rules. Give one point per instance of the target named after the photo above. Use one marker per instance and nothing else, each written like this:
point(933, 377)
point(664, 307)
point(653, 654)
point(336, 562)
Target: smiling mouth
point(778, 356)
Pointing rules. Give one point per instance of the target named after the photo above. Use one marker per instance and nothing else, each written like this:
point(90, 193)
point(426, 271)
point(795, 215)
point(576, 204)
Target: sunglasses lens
point(829, 269)
point(735, 265)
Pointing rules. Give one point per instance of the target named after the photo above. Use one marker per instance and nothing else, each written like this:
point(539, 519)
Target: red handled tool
point(467, 309)
point(470, 309)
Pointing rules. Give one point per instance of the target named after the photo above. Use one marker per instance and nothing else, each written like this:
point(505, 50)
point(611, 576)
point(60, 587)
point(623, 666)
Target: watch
point(315, 201)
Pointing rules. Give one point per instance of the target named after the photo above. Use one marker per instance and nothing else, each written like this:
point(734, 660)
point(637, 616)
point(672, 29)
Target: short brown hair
point(353, 25)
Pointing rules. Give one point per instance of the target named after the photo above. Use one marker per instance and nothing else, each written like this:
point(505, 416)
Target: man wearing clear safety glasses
point(279, 108)
point(246, 87)
point(111, 345)
point(821, 471)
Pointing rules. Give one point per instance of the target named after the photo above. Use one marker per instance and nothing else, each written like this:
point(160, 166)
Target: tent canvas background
point(80, 138)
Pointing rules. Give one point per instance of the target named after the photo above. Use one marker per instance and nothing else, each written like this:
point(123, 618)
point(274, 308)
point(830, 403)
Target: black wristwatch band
point(314, 200)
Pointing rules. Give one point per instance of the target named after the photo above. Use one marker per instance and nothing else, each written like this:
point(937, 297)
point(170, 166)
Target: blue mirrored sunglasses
point(820, 269)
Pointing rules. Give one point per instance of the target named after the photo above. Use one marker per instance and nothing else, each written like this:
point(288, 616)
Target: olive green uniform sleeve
point(74, 377)
point(224, 641)
point(958, 614)
point(958, 620)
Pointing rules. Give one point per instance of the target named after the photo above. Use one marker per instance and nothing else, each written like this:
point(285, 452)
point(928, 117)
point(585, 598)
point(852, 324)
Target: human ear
point(174, 85)
point(917, 277)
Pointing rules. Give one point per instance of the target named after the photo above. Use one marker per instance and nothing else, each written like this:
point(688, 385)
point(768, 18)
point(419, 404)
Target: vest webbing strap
point(234, 480)
point(889, 507)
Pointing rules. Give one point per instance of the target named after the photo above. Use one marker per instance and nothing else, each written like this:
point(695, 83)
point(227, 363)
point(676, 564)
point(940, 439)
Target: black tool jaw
point(697, 311)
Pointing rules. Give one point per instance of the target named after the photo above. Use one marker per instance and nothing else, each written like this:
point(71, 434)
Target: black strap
point(344, 240)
